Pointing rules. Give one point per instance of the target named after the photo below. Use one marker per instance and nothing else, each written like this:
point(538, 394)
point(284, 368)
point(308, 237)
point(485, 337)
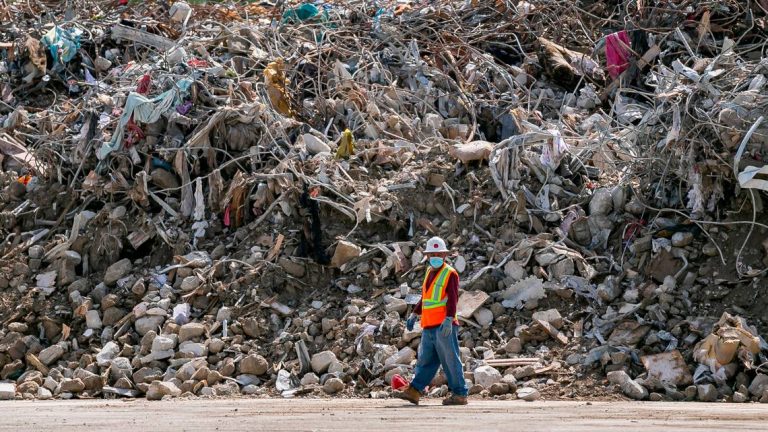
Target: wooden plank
point(121, 32)
point(36, 363)
point(276, 248)
point(555, 333)
point(140, 236)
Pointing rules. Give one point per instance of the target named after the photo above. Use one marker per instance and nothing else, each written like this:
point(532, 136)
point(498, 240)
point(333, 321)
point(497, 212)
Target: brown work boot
point(455, 400)
point(410, 394)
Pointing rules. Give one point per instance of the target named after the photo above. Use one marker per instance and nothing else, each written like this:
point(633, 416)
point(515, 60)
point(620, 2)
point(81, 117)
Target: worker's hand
point(411, 321)
point(446, 327)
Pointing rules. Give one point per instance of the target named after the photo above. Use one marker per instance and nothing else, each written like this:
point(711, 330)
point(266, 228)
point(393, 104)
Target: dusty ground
point(368, 415)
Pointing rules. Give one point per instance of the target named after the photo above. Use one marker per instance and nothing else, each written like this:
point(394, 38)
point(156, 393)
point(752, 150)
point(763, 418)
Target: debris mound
point(231, 198)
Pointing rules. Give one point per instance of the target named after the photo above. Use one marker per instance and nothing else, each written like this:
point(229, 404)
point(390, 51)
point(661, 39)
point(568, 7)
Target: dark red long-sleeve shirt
point(452, 293)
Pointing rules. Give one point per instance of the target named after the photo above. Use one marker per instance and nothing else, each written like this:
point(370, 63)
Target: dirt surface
point(377, 415)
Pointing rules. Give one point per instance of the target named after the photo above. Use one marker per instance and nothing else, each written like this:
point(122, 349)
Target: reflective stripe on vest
point(437, 289)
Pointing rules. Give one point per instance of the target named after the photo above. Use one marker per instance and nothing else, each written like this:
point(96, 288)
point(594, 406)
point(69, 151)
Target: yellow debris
point(346, 146)
point(276, 83)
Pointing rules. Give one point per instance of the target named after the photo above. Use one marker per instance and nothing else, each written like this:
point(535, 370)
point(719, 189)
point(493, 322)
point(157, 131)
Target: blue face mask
point(436, 262)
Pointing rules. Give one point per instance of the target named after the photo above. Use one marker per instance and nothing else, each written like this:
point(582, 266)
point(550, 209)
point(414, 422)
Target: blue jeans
point(435, 351)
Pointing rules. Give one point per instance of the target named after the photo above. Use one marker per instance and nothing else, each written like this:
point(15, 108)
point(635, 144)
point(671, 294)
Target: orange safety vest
point(434, 298)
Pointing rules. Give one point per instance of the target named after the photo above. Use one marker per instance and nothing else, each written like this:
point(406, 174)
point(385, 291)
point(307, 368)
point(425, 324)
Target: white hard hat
point(436, 244)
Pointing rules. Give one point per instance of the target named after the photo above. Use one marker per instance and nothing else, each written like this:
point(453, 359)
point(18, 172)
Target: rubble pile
point(232, 198)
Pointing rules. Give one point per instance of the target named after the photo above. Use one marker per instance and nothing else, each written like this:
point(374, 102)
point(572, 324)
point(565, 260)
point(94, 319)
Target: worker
point(439, 339)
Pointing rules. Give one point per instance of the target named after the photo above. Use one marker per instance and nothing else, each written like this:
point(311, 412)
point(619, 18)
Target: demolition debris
point(232, 198)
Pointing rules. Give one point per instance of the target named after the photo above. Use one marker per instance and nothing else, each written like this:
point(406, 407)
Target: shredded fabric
point(617, 53)
point(139, 108)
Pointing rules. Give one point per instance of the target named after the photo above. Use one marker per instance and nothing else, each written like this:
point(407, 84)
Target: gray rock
point(186, 371)
point(499, 388)
point(403, 357)
point(121, 368)
point(674, 394)
point(682, 239)
point(292, 268)
point(322, 360)
point(336, 368)
point(43, 393)
point(310, 379)
point(27, 388)
point(117, 271)
point(483, 316)
point(158, 389)
point(634, 390)
point(523, 372)
point(107, 354)
point(514, 270)
point(514, 346)
point(408, 336)
point(655, 397)
point(215, 346)
point(164, 179)
point(245, 379)
point(147, 375)
point(71, 385)
point(191, 331)
point(487, 376)
point(328, 324)
point(609, 290)
point(195, 348)
point(509, 379)
point(628, 386)
point(475, 389)
point(250, 389)
point(396, 305)
point(36, 252)
point(89, 379)
point(333, 386)
point(707, 392)
point(50, 383)
point(51, 354)
point(691, 392)
point(574, 359)
point(564, 267)
point(93, 319)
point(759, 385)
point(601, 202)
point(163, 343)
point(529, 394)
point(740, 397)
point(190, 283)
point(146, 323)
point(551, 316)
point(709, 250)
point(254, 365)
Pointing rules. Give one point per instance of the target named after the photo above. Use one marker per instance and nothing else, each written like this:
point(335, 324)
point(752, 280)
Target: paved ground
point(367, 415)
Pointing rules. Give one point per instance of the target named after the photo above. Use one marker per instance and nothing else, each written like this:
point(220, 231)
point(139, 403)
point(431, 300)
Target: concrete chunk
point(322, 360)
point(7, 391)
point(117, 271)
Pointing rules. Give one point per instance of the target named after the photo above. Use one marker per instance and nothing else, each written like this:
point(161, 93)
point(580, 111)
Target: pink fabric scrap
point(617, 53)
